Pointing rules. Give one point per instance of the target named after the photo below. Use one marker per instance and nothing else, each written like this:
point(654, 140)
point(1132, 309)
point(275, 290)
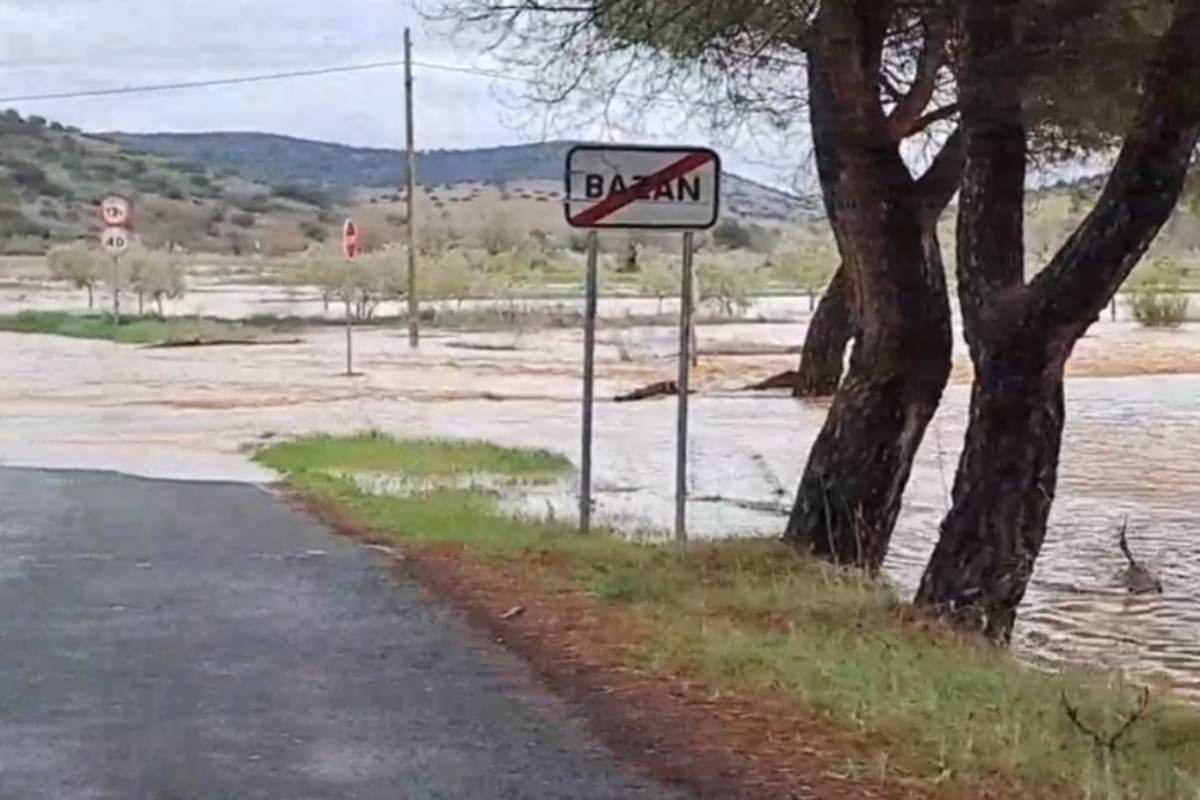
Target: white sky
point(51, 46)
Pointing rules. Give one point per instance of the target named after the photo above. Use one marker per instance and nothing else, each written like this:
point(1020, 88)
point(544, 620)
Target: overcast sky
point(68, 45)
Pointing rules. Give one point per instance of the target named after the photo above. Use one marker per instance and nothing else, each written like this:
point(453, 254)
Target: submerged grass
point(130, 330)
point(941, 709)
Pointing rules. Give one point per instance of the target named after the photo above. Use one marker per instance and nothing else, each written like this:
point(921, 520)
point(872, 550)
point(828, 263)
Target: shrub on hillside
point(314, 231)
point(732, 235)
point(310, 195)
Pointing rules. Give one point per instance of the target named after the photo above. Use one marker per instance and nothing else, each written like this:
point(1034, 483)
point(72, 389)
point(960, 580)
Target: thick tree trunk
point(1003, 490)
point(854, 482)
point(850, 492)
point(1022, 335)
point(825, 343)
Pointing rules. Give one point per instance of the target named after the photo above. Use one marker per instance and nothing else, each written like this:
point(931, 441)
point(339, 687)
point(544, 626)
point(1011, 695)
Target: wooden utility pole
point(414, 308)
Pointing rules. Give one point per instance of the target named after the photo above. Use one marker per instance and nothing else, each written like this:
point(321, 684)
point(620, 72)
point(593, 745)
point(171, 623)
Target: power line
point(80, 94)
point(164, 87)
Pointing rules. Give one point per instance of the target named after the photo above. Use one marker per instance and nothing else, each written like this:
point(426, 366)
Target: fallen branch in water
point(660, 389)
point(764, 506)
point(784, 380)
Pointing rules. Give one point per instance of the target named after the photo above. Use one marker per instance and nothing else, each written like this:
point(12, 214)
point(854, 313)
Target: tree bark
point(829, 331)
point(1005, 484)
point(850, 493)
point(832, 327)
point(1021, 335)
point(91, 297)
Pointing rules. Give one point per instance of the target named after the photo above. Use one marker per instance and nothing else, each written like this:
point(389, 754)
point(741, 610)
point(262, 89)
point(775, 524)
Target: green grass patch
point(413, 457)
point(937, 708)
point(132, 330)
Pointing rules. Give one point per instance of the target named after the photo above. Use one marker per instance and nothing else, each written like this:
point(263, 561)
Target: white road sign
point(115, 211)
point(623, 186)
point(115, 239)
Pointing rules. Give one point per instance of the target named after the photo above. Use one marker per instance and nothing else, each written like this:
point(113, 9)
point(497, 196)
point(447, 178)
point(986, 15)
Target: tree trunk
point(1021, 335)
point(158, 299)
point(141, 303)
point(854, 482)
point(91, 296)
point(990, 540)
point(849, 496)
point(829, 331)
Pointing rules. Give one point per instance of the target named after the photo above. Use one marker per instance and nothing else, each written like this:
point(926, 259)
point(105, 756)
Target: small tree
point(1157, 296)
point(161, 277)
point(728, 285)
point(362, 284)
point(499, 231)
point(659, 277)
point(806, 263)
point(449, 277)
point(78, 264)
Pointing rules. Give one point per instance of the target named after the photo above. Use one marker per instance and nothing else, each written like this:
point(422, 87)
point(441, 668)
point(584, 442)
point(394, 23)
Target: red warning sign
point(350, 239)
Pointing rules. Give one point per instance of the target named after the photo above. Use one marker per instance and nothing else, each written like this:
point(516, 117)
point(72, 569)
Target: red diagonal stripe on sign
point(642, 189)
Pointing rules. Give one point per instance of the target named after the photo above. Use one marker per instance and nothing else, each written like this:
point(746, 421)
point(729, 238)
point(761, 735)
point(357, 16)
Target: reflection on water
point(1132, 446)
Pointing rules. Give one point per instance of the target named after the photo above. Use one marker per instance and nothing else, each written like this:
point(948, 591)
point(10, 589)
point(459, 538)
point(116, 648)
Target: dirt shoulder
point(715, 743)
point(735, 669)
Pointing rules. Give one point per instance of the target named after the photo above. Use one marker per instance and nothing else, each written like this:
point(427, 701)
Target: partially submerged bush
point(1157, 297)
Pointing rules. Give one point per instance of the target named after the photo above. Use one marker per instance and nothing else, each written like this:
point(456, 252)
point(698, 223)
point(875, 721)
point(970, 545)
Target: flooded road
point(1132, 445)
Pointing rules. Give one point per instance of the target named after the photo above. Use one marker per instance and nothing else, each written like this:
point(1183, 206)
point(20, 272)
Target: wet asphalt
point(186, 641)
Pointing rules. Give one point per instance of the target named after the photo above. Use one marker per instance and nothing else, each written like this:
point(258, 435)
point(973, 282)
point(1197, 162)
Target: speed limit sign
point(115, 239)
point(115, 211)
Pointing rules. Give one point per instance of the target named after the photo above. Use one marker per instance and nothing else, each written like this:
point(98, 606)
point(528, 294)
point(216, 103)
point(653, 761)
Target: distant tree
point(499, 231)
point(659, 277)
point(362, 284)
point(309, 195)
point(243, 219)
point(77, 264)
point(448, 277)
point(806, 263)
point(731, 235)
point(158, 275)
point(314, 231)
point(1157, 295)
point(729, 286)
point(577, 242)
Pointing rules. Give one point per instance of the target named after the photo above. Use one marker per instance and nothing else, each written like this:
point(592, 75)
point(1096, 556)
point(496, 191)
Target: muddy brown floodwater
point(1132, 443)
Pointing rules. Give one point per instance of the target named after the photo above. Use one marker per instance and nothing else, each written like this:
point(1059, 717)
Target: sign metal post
point(639, 188)
point(116, 213)
point(589, 385)
point(685, 363)
point(350, 250)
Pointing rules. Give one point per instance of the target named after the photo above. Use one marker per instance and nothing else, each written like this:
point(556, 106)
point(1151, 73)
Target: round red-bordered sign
point(116, 212)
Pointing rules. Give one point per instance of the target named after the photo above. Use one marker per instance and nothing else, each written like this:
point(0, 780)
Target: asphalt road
point(180, 641)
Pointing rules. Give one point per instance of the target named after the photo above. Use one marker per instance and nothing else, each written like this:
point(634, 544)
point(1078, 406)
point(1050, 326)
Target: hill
point(341, 170)
point(52, 177)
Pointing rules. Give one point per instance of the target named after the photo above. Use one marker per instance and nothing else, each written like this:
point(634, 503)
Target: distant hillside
point(51, 179)
point(340, 170)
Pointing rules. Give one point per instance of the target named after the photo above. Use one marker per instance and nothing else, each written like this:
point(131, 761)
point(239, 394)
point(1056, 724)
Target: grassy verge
point(940, 711)
point(134, 330)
